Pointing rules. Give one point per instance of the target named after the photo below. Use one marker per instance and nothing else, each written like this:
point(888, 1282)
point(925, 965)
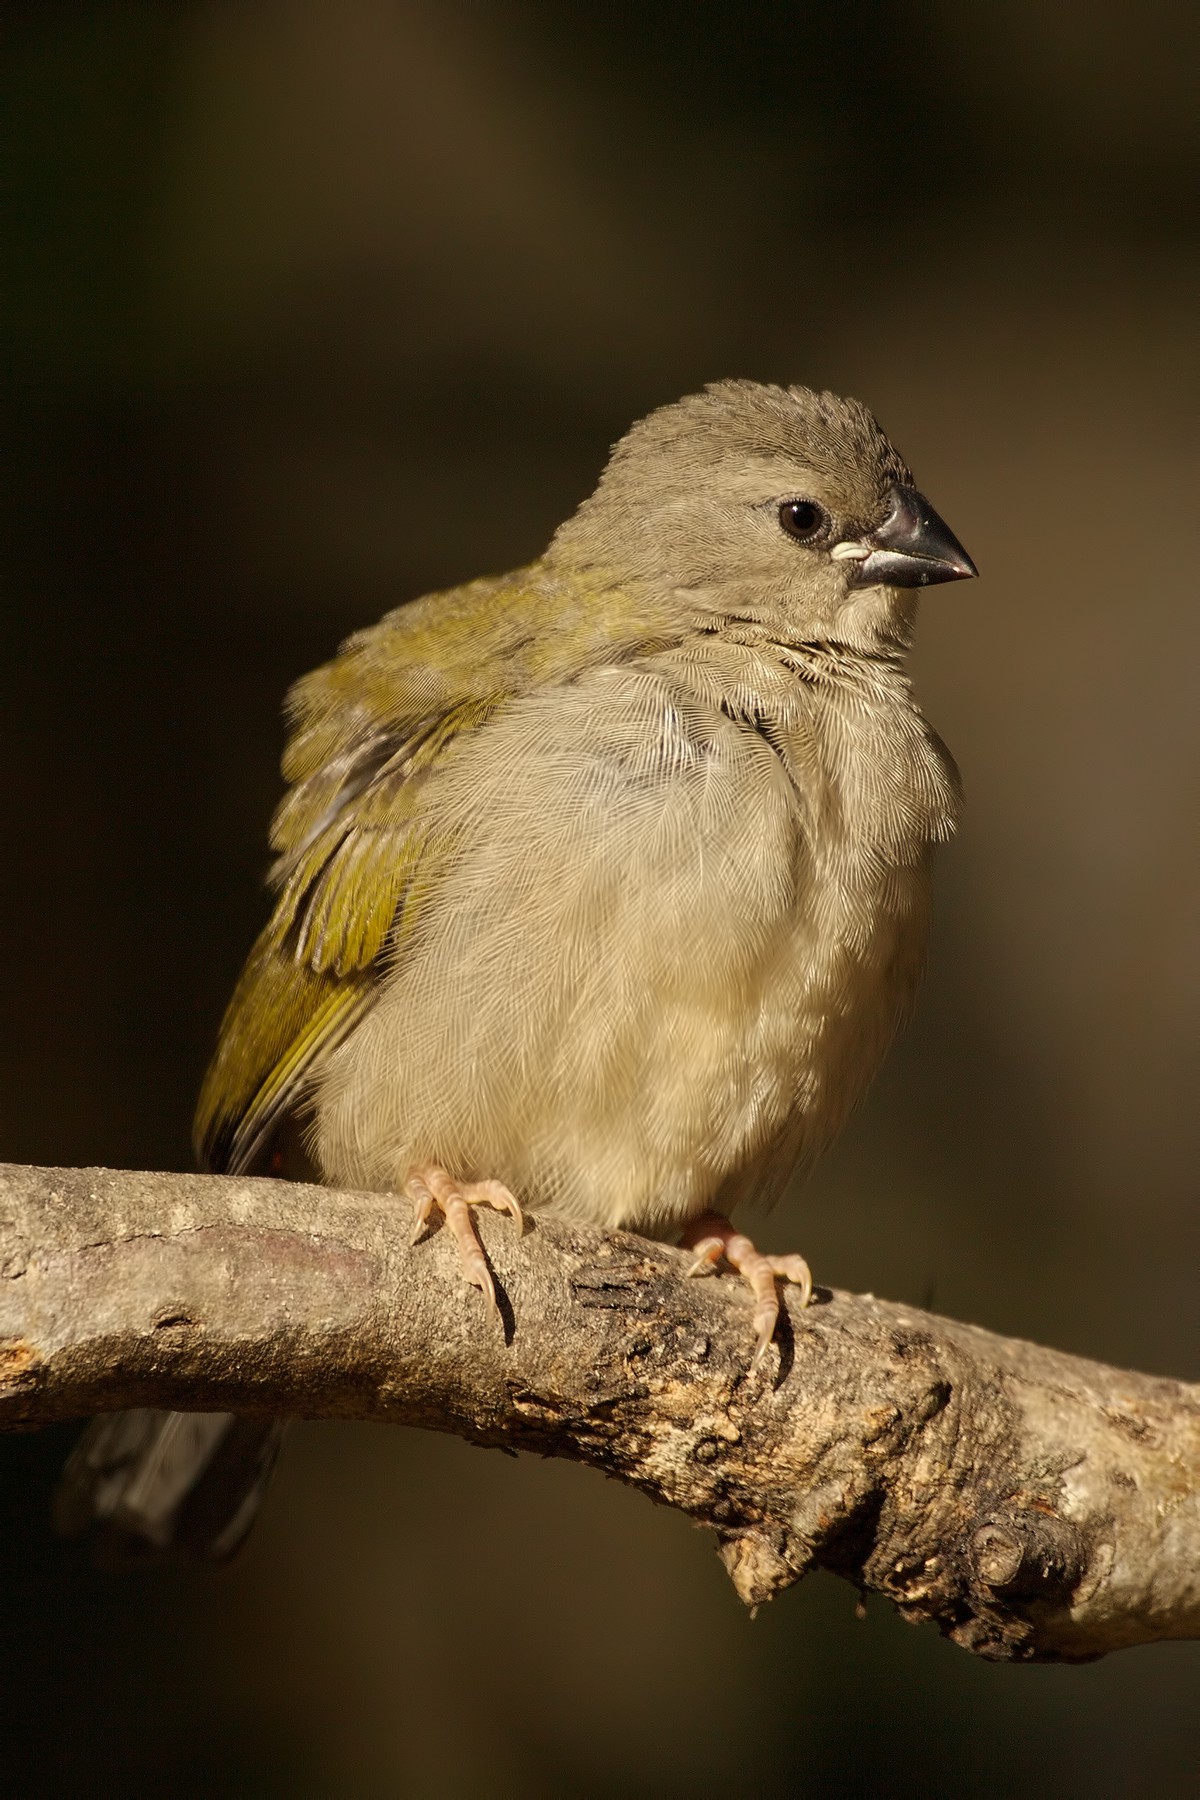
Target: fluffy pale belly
point(703, 1083)
point(739, 1090)
point(639, 990)
point(830, 1014)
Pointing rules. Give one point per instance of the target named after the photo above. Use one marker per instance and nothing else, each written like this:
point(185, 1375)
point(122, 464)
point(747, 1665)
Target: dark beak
point(912, 548)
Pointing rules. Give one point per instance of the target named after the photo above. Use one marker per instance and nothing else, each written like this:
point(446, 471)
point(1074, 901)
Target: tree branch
point(1032, 1504)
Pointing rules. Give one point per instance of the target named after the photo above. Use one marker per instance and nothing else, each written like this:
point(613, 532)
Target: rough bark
point(1033, 1505)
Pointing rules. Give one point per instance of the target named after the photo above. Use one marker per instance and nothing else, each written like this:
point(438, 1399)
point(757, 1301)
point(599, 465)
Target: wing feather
point(356, 855)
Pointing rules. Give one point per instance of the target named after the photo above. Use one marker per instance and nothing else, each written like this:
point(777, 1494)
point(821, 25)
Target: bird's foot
point(712, 1238)
point(431, 1187)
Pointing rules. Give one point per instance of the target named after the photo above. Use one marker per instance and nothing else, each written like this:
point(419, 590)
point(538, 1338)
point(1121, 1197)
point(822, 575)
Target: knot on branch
point(1028, 1555)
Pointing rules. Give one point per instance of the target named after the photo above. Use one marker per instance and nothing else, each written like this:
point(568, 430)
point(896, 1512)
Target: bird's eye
point(803, 519)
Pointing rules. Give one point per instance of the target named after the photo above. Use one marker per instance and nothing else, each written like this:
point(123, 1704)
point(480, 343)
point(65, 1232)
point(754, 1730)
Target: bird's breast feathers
point(684, 914)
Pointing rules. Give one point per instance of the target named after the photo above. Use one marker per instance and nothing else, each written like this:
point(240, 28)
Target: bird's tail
point(149, 1484)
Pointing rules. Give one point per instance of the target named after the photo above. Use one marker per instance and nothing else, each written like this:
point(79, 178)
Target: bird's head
point(777, 506)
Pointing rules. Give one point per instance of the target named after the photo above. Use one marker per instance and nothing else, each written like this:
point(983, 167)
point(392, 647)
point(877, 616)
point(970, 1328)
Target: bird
point(600, 887)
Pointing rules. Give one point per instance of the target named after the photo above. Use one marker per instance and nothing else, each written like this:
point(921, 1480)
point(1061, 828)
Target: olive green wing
point(280, 1019)
point(354, 851)
point(356, 854)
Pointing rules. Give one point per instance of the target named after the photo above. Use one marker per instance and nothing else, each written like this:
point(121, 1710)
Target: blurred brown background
point(316, 304)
